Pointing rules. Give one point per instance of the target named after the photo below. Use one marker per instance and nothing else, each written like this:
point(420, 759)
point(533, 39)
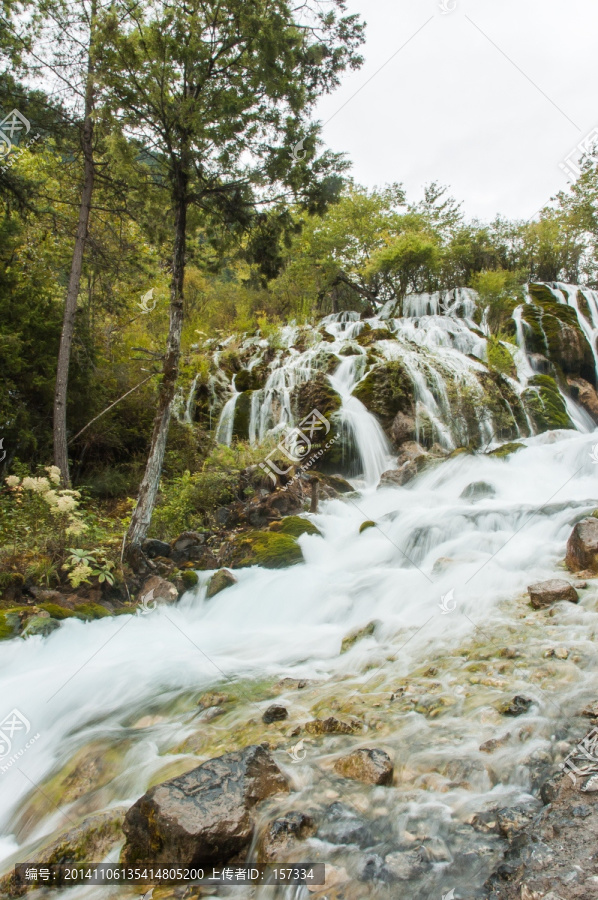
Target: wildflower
point(80, 574)
point(38, 485)
point(76, 527)
point(53, 474)
point(51, 498)
point(12, 481)
point(65, 504)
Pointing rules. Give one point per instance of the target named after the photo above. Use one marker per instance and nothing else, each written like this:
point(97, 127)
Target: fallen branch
point(108, 408)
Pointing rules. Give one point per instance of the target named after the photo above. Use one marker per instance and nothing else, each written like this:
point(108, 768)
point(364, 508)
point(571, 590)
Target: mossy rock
point(365, 525)
point(326, 336)
point(318, 394)
point(506, 450)
point(349, 350)
point(386, 391)
point(357, 635)
point(242, 416)
point(219, 581)
point(499, 358)
point(555, 332)
point(56, 611)
point(10, 625)
point(265, 548)
point(189, 578)
point(370, 335)
point(42, 625)
point(88, 611)
point(295, 526)
point(545, 404)
point(250, 379)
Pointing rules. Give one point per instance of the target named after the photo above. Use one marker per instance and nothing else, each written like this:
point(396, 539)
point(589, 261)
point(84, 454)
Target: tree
point(217, 94)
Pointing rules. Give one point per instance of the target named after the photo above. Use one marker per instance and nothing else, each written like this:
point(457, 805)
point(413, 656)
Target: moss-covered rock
point(357, 635)
point(250, 379)
point(318, 394)
point(10, 625)
point(219, 581)
point(56, 611)
point(365, 525)
point(370, 335)
point(506, 450)
point(89, 611)
point(189, 578)
point(545, 404)
point(554, 331)
point(264, 548)
point(499, 358)
point(40, 625)
point(242, 416)
point(386, 391)
point(295, 526)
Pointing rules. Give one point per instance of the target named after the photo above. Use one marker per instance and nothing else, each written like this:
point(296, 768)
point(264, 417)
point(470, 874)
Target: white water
point(89, 682)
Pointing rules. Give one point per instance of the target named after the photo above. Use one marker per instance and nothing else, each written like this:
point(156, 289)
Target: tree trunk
point(148, 489)
point(61, 458)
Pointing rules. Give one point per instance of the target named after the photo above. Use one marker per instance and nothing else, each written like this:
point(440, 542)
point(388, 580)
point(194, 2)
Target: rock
point(365, 525)
point(219, 581)
point(342, 825)
point(506, 450)
point(370, 766)
point(188, 547)
point(157, 590)
point(358, 634)
point(403, 866)
point(295, 526)
point(582, 546)
point(204, 817)
point(545, 593)
point(333, 877)
point(275, 713)
point(478, 490)
point(491, 745)
point(263, 548)
point(402, 429)
point(331, 725)
point(42, 625)
point(583, 392)
point(90, 839)
point(591, 711)
point(513, 821)
point(515, 707)
point(281, 835)
point(153, 548)
point(212, 698)
point(399, 476)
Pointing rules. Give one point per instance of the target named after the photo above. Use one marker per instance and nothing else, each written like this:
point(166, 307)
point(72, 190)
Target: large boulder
point(157, 590)
point(219, 581)
point(545, 593)
point(582, 546)
point(205, 817)
point(263, 548)
point(369, 766)
point(583, 392)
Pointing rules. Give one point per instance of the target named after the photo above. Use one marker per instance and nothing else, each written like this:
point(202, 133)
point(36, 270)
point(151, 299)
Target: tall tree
point(218, 93)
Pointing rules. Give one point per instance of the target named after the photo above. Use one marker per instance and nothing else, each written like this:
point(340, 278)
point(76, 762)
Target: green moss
point(318, 394)
point(265, 548)
point(87, 611)
point(385, 391)
point(296, 526)
point(56, 611)
point(189, 578)
point(365, 525)
point(7, 627)
point(250, 379)
point(242, 416)
point(506, 450)
point(499, 358)
point(371, 335)
point(545, 404)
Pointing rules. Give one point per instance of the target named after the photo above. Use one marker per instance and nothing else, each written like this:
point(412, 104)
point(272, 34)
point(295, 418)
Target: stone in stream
point(370, 766)
point(518, 706)
point(332, 725)
point(477, 490)
point(582, 546)
point(157, 590)
point(220, 580)
point(205, 817)
point(282, 834)
point(275, 713)
point(545, 593)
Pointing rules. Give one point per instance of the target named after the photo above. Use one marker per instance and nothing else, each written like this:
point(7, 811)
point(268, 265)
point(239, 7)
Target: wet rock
point(478, 490)
point(371, 868)
point(342, 825)
point(358, 634)
point(399, 477)
point(506, 450)
point(282, 834)
point(402, 429)
point(591, 711)
point(545, 593)
point(205, 816)
point(365, 525)
point(295, 526)
point(153, 548)
point(219, 581)
point(513, 821)
point(275, 713)
point(582, 546)
point(403, 866)
point(332, 725)
point(515, 707)
point(494, 743)
point(42, 625)
point(264, 548)
point(157, 590)
point(212, 698)
point(371, 766)
point(583, 392)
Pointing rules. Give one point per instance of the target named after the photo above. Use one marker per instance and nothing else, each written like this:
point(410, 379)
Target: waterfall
point(224, 431)
point(365, 430)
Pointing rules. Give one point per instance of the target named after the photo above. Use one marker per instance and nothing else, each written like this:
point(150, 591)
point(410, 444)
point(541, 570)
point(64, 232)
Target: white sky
point(452, 107)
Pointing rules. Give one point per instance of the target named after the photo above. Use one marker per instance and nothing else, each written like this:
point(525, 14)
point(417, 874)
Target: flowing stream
point(442, 576)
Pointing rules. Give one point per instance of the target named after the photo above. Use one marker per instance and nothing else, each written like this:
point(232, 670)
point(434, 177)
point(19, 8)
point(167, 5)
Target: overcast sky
point(487, 98)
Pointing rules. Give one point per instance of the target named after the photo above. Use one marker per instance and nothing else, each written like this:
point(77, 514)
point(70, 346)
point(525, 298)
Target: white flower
point(12, 481)
point(38, 485)
point(65, 504)
point(51, 498)
point(76, 527)
point(53, 474)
